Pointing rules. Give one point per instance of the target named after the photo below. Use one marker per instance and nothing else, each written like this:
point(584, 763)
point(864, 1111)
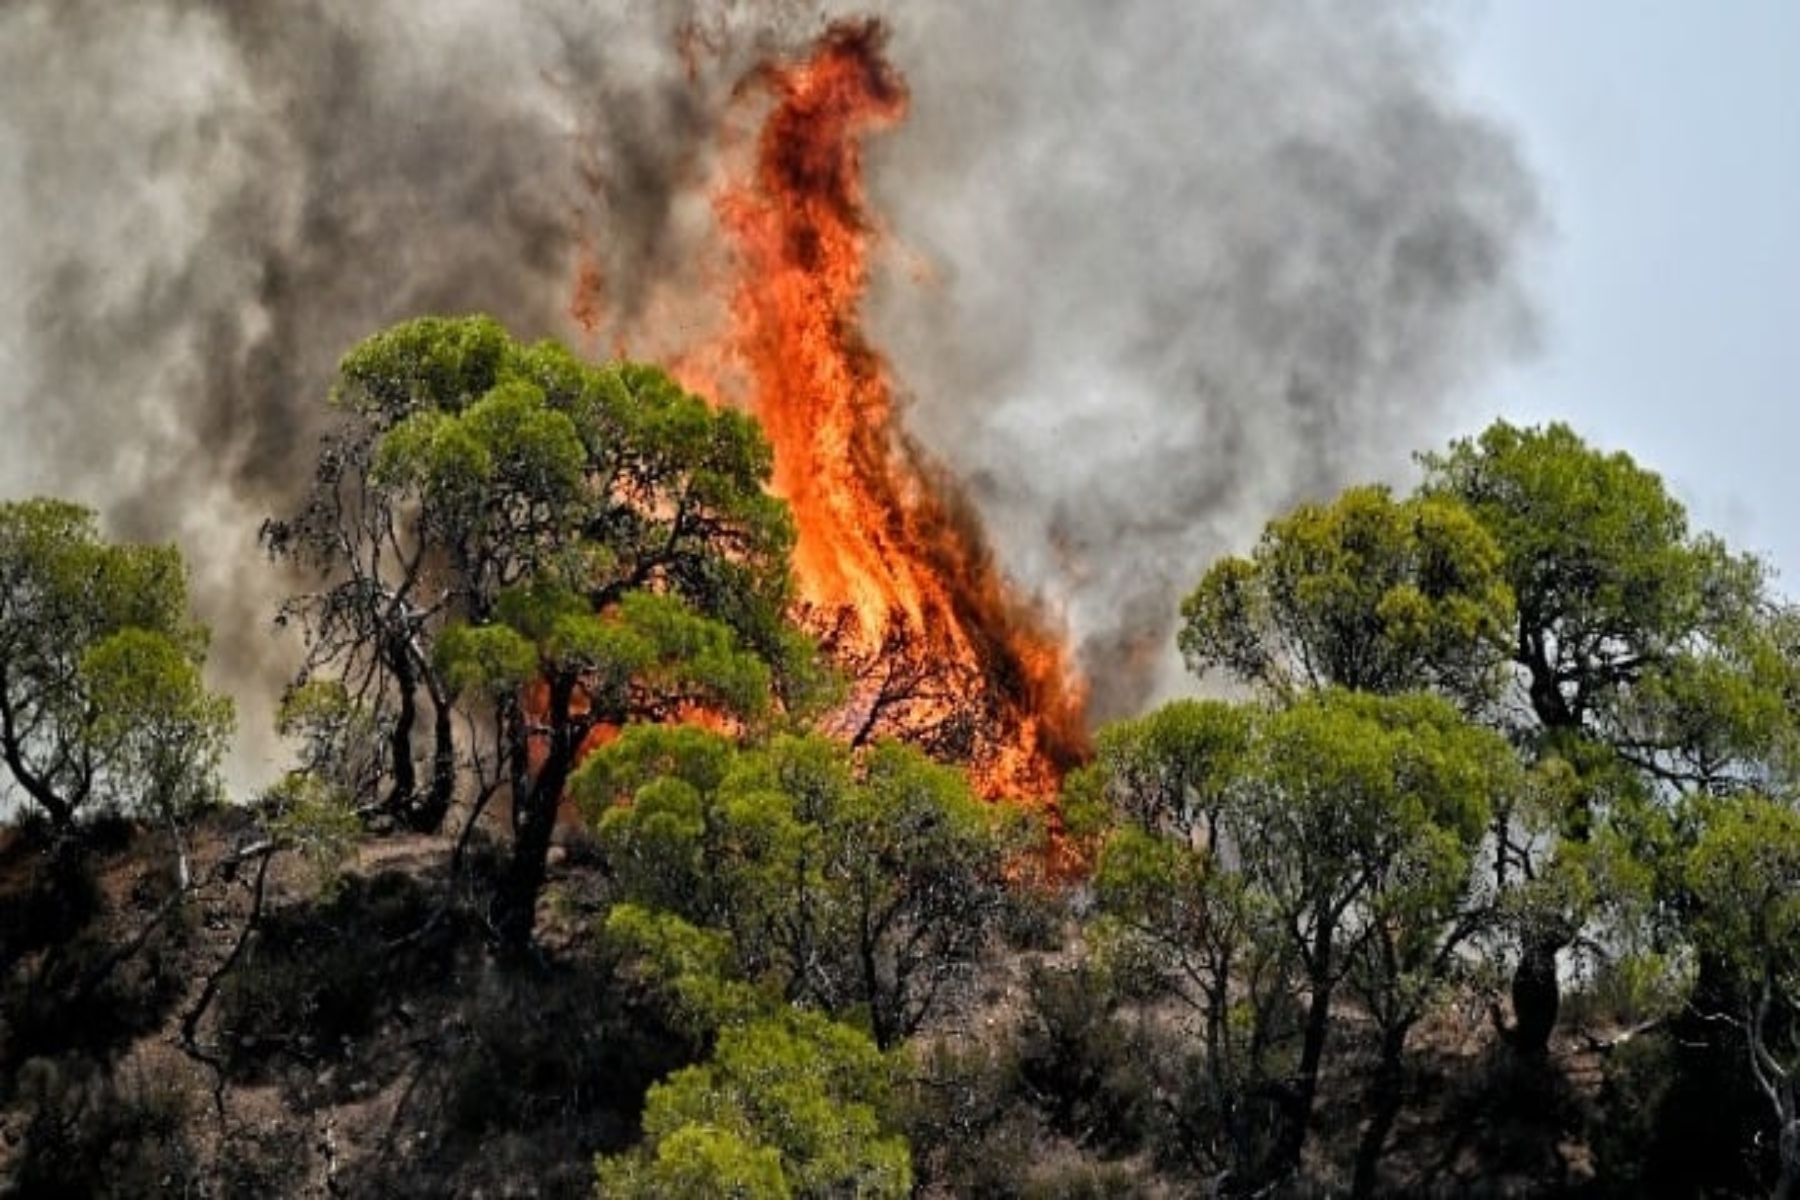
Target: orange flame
point(884, 539)
point(891, 566)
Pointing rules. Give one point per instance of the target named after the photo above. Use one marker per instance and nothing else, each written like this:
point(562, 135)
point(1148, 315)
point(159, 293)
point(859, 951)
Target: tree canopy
point(1338, 848)
point(515, 538)
point(860, 887)
point(1366, 592)
point(102, 706)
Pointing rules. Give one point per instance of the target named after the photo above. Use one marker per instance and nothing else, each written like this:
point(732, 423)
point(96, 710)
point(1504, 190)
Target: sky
point(1664, 136)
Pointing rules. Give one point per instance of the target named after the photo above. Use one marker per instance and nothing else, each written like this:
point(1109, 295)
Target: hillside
point(366, 1040)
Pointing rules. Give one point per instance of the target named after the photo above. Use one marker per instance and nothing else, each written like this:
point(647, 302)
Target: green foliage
point(1650, 662)
point(690, 966)
point(1171, 769)
point(1631, 629)
point(335, 736)
point(702, 1161)
point(309, 817)
point(1359, 798)
point(1367, 592)
point(102, 708)
point(1340, 847)
point(160, 727)
point(431, 362)
point(492, 512)
point(789, 1104)
point(863, 888)
point(548, 545)
point(489, 660)
point(1745, 877)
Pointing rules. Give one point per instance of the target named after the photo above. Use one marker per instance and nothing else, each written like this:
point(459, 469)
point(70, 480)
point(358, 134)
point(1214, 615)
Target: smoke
point(1194, 261)
point(1160, 268)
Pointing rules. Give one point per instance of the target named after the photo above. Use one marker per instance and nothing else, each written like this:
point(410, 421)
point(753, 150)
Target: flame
point(891, 566)
point(890, 559)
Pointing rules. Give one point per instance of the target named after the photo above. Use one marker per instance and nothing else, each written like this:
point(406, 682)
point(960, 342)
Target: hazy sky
point(1665, 139)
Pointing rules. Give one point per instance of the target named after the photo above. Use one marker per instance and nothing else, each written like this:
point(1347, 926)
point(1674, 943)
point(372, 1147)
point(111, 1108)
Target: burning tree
point(522, 548)
point(891, 567)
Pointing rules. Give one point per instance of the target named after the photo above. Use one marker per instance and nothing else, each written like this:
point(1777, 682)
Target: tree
point(1745, 876)
point(1342, 850)
point(1367, 592)
point(533, 546)
point(859, 885)
point(552, 670)
point(1637, 645)
point(788, 1105)
point(1618, 607)
point(1360, 825)
point(1171, 770)
point(102, 707)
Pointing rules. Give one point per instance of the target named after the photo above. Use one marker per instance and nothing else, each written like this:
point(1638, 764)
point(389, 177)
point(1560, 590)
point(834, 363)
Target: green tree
point(1342, 853)
point(550, 669)
point(102, 706)
point(1624, 618)
point(542, 546)
point(1360, 824)
point(1171, 770)
point(1649, 659)
point(789, 1105)
point(1367, 592)
point(860, 885)
point(1745, 877)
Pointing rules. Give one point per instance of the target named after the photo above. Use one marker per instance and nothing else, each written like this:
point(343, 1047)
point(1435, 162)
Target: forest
point(1470, 866)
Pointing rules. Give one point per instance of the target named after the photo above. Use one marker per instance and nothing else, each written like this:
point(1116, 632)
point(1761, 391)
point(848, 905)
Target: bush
point(971, 1127)
point(1087, 1071)
point(89, 1133)
point(317, 976)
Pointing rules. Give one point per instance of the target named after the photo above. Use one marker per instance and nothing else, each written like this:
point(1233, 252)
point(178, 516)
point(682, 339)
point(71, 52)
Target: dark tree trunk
point(431, 812)
point(1536, 995)
point(536, 799)
point(400, 755)
point(1385, 1097)
point(1285, 1158)
point(882, 1021)
point(523, 881)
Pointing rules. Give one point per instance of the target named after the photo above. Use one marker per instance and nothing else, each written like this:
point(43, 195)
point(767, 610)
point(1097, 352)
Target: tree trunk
point(401, 796)
point(1536, 995)
point(443, 767)
point(1285, 1158)
point(535, 803)
point(525, 872)
point(1385, 1097)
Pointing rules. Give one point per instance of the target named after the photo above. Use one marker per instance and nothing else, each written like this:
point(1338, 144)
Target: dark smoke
point(1166, 265)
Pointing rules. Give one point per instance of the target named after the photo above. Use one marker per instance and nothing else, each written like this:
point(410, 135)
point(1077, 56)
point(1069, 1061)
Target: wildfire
point(884, 543)
point(891, 566)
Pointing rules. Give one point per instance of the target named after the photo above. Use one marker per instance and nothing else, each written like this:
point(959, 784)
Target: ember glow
point(891, 566)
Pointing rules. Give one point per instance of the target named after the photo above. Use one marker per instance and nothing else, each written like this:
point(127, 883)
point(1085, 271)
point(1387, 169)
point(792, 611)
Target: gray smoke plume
point(1163, 266)
point(1196, 261)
